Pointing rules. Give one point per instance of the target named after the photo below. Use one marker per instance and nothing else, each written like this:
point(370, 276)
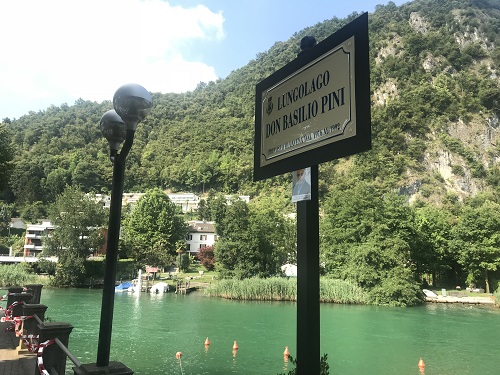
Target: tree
point(78, 221)
point(25, 180)
point(371, 239)
point(206, 257)
point(180, 249)
point(34, 211)
point(434, 255)
point(185, 262)
point(153, 229)
point(6, 155)
point(477, 241)
point(56, 182)
point(5, 216)
point(203, 211)
point(244, 248)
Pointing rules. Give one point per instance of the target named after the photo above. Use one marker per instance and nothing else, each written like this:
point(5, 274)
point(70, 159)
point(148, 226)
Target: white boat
point(159, 288)
point(429, 293)
point(136, 286)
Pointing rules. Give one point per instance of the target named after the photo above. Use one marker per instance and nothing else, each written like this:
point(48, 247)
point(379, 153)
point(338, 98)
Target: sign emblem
point(269, 108)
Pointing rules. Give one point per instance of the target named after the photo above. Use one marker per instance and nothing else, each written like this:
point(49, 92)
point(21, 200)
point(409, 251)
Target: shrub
point(15, 275)
point(393, 291)
point(45, 266)
point(206, 257)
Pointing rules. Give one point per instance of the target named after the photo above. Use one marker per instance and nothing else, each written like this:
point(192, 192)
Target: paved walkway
point(12, 363)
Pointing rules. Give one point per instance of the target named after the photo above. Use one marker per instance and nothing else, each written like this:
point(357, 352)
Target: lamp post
point(132, 103)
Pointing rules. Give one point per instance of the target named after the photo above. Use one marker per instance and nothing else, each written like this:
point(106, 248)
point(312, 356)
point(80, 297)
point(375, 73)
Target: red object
point(286, 353)
point(421, 364)
point(178, 355)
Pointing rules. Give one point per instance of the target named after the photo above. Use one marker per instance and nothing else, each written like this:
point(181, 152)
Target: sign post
point(308, 316)
point(314, 109)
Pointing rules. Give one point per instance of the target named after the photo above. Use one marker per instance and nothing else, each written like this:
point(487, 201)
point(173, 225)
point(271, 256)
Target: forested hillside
point(434, 73)
point(435, 69)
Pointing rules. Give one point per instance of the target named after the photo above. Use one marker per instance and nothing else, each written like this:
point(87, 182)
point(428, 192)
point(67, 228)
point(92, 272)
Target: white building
point(201, 234)
point(131, 198)
point(34, 237)
point(17, 223)
point(188, 202)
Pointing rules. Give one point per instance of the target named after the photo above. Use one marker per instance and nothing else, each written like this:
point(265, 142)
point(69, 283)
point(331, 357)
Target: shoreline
point(462, 300)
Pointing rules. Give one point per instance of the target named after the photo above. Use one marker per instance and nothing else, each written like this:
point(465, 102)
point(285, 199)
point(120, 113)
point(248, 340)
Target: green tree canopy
point(250, 243)
point(153, 229)
point(6, 155)
point(79, 222)
point(477, 240)
point(371, 239)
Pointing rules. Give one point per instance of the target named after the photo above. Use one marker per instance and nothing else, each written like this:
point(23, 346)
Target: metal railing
point(66, 351)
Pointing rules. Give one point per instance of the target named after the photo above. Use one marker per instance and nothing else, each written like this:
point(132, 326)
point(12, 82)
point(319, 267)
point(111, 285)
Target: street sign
point(317, 107)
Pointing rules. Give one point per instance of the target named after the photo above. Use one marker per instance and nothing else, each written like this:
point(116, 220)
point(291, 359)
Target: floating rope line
point(39, 359)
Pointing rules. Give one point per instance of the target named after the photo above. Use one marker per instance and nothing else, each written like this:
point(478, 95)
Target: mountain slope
point(435, 118)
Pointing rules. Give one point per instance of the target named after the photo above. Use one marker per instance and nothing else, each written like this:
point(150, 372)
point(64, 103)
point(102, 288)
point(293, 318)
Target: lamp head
point(113, 128)
point(132, 102)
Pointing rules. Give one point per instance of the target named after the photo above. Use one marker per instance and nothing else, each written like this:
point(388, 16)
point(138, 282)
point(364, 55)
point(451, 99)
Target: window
point(189, 237)
point(202, 245)
point(203, 237)
point(188, 247)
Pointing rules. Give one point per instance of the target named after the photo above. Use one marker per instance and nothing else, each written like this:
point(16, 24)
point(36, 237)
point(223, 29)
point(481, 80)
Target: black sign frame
point(345, 147)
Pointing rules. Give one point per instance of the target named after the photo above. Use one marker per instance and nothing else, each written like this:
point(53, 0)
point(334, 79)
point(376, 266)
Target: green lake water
point(360, 340)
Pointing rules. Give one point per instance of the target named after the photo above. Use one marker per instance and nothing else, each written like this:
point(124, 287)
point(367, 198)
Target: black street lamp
point(132, 103)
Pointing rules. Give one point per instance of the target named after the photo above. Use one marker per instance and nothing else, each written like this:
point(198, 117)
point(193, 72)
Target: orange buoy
point(421, 364)
point(235, 346)
point(178, 355)
point(207, 341)
point(286, 353)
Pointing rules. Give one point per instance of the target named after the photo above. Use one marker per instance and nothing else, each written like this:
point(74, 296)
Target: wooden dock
point(185, 287)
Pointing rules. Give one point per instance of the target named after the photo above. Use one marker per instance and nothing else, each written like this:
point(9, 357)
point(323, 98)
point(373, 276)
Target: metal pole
point(108, 293)
point(308, 315)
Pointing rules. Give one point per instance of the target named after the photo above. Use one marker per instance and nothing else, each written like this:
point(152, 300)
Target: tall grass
point(282, 289)
point(15, 275)
point(341, 291)
point(271, 289)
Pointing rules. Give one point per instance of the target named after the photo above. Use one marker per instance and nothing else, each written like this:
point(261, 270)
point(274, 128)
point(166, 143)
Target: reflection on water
point(148, 330)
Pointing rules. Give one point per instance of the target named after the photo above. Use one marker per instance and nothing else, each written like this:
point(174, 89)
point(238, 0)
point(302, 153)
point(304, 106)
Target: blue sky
point(57, 51)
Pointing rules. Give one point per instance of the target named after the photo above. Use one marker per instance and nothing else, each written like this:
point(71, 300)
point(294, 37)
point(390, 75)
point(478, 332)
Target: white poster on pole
point(301, 185)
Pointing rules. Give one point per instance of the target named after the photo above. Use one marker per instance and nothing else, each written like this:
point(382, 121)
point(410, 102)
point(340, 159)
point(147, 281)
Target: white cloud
point(61, 50)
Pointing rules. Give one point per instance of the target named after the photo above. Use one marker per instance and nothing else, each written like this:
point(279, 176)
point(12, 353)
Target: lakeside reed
point(283, 289)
